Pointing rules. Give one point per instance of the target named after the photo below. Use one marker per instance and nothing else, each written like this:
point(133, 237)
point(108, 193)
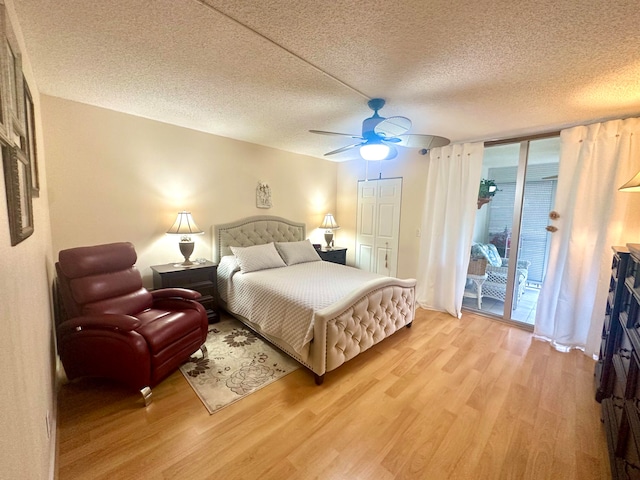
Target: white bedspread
point(283, 301)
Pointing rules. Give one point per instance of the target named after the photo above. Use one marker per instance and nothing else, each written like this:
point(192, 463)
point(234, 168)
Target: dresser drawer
point(185, 277)
point(623, 352)
point(199, 277)
point(205, 288)
point(337, 255)
point(628, 462)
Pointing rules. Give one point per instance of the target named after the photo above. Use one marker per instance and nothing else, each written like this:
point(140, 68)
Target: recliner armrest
point(104, 321)
point(176, 293)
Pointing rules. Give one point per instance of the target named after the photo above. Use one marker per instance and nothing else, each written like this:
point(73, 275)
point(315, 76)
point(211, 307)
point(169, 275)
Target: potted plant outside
point(488, 189)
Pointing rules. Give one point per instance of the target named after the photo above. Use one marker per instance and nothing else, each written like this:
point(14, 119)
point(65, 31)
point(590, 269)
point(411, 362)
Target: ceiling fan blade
point(343, 149)
point(423, 141)
point(551, 177)
point(391, 139)
point(322, 132)
point(392, 126)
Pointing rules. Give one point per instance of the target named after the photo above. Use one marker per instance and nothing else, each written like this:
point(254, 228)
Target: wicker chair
point(496, 284)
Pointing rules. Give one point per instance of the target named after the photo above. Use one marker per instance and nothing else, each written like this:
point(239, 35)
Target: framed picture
point(17, 179)
point(30, 139)
point(263, 195)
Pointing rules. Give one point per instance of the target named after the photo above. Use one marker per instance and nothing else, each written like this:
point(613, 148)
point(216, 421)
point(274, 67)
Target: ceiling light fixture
point(374, 151)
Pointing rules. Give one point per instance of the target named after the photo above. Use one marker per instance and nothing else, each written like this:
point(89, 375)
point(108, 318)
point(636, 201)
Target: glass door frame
point(516, 224)
point(517, 221)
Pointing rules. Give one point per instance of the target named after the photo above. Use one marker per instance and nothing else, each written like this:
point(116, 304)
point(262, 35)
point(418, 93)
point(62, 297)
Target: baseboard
point(60, 378)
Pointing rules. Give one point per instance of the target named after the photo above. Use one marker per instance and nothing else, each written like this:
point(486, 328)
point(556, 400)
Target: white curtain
point(453, 180)
point(595, 160)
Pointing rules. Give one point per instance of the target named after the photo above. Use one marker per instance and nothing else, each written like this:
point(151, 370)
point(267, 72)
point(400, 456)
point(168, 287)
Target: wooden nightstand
point(335, 255)
point(200, 277)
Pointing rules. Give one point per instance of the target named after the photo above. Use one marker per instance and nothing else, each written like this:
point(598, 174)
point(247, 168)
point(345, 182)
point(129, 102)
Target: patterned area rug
point(239, 362)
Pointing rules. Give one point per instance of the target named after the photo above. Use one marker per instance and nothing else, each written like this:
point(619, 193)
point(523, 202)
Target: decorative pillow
point(488, 251)
point(478, 250)
point(297, 252)
point(493, 256)
point(258, 257)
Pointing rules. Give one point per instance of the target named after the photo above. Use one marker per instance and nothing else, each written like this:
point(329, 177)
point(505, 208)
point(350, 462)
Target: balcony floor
point(525, 313)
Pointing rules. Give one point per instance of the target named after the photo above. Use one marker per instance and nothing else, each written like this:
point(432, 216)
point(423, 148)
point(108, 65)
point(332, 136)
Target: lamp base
point(186, 248)
point(328, 237)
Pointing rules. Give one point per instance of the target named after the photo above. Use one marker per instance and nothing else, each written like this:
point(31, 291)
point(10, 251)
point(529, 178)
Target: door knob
point(551, 228)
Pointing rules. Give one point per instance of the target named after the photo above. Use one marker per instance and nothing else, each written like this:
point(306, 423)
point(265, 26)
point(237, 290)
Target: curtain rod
point(504, 141)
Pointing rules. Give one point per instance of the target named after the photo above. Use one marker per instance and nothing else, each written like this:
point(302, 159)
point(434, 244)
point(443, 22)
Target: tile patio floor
point(525, 313)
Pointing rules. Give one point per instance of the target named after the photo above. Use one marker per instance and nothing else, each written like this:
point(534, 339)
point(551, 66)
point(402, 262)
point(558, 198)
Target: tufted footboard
point(351, 326)
point(355, 324)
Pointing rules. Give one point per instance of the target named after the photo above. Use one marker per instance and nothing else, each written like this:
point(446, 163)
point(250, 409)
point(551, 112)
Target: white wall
point(409, 165)
point(116, 177)
point(27, 356)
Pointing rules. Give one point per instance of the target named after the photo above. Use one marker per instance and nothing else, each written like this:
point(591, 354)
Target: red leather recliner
point(117, 329)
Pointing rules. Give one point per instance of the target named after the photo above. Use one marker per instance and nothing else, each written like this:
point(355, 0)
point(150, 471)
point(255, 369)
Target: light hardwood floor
point(448, 398)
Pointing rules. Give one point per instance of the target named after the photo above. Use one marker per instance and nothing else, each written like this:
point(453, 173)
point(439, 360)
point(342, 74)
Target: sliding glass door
point(511, 243)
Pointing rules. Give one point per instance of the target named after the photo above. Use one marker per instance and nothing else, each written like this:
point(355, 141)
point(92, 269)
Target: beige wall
point(26, 343)
point(116, 177)
point(412, 168)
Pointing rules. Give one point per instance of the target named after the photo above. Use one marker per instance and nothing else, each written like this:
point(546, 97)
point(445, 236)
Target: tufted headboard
point(255, 230)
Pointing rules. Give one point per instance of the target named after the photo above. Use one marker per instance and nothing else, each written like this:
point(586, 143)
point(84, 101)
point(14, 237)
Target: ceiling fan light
point(374, 151)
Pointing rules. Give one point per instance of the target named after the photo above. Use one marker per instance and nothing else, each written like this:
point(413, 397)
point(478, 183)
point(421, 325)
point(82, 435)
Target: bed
point(320, 313)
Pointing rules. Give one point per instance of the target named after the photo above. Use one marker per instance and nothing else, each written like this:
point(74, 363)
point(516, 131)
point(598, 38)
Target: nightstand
point(335, 255)
point(200, 277)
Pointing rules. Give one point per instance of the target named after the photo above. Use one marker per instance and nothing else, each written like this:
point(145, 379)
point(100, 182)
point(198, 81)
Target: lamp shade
point(374, 151)
point(632, 185)
point(184, 225)
point(329, 222)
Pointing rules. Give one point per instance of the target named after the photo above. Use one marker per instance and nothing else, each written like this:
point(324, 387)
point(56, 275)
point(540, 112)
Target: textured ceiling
point(465, 70)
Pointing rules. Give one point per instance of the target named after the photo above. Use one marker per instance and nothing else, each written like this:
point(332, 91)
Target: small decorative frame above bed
point(320, 313)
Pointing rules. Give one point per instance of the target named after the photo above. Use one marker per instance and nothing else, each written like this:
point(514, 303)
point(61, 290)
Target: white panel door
point(377, 238)
point(366, 225)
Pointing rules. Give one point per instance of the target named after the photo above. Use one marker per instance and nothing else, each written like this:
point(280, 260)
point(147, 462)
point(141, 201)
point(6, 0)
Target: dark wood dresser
point(200, 277)
point(611, 325)
point(617, 370)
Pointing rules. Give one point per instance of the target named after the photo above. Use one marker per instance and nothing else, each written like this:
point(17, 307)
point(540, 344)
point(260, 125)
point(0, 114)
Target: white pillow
point(258, 257)
point(297, 252)
point(228, 265)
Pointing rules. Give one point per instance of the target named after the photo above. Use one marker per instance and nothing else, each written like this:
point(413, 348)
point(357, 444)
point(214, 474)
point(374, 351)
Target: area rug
point(239, 362)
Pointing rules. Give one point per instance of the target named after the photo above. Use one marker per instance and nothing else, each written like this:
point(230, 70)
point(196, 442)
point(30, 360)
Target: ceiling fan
point(380, 136)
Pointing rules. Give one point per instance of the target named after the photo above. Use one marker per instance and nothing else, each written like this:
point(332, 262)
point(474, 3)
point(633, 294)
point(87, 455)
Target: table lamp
point(329, 223)
point(185, 226)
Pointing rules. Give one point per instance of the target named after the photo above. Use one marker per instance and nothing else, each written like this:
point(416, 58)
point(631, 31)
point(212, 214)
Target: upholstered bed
point(320, 313)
